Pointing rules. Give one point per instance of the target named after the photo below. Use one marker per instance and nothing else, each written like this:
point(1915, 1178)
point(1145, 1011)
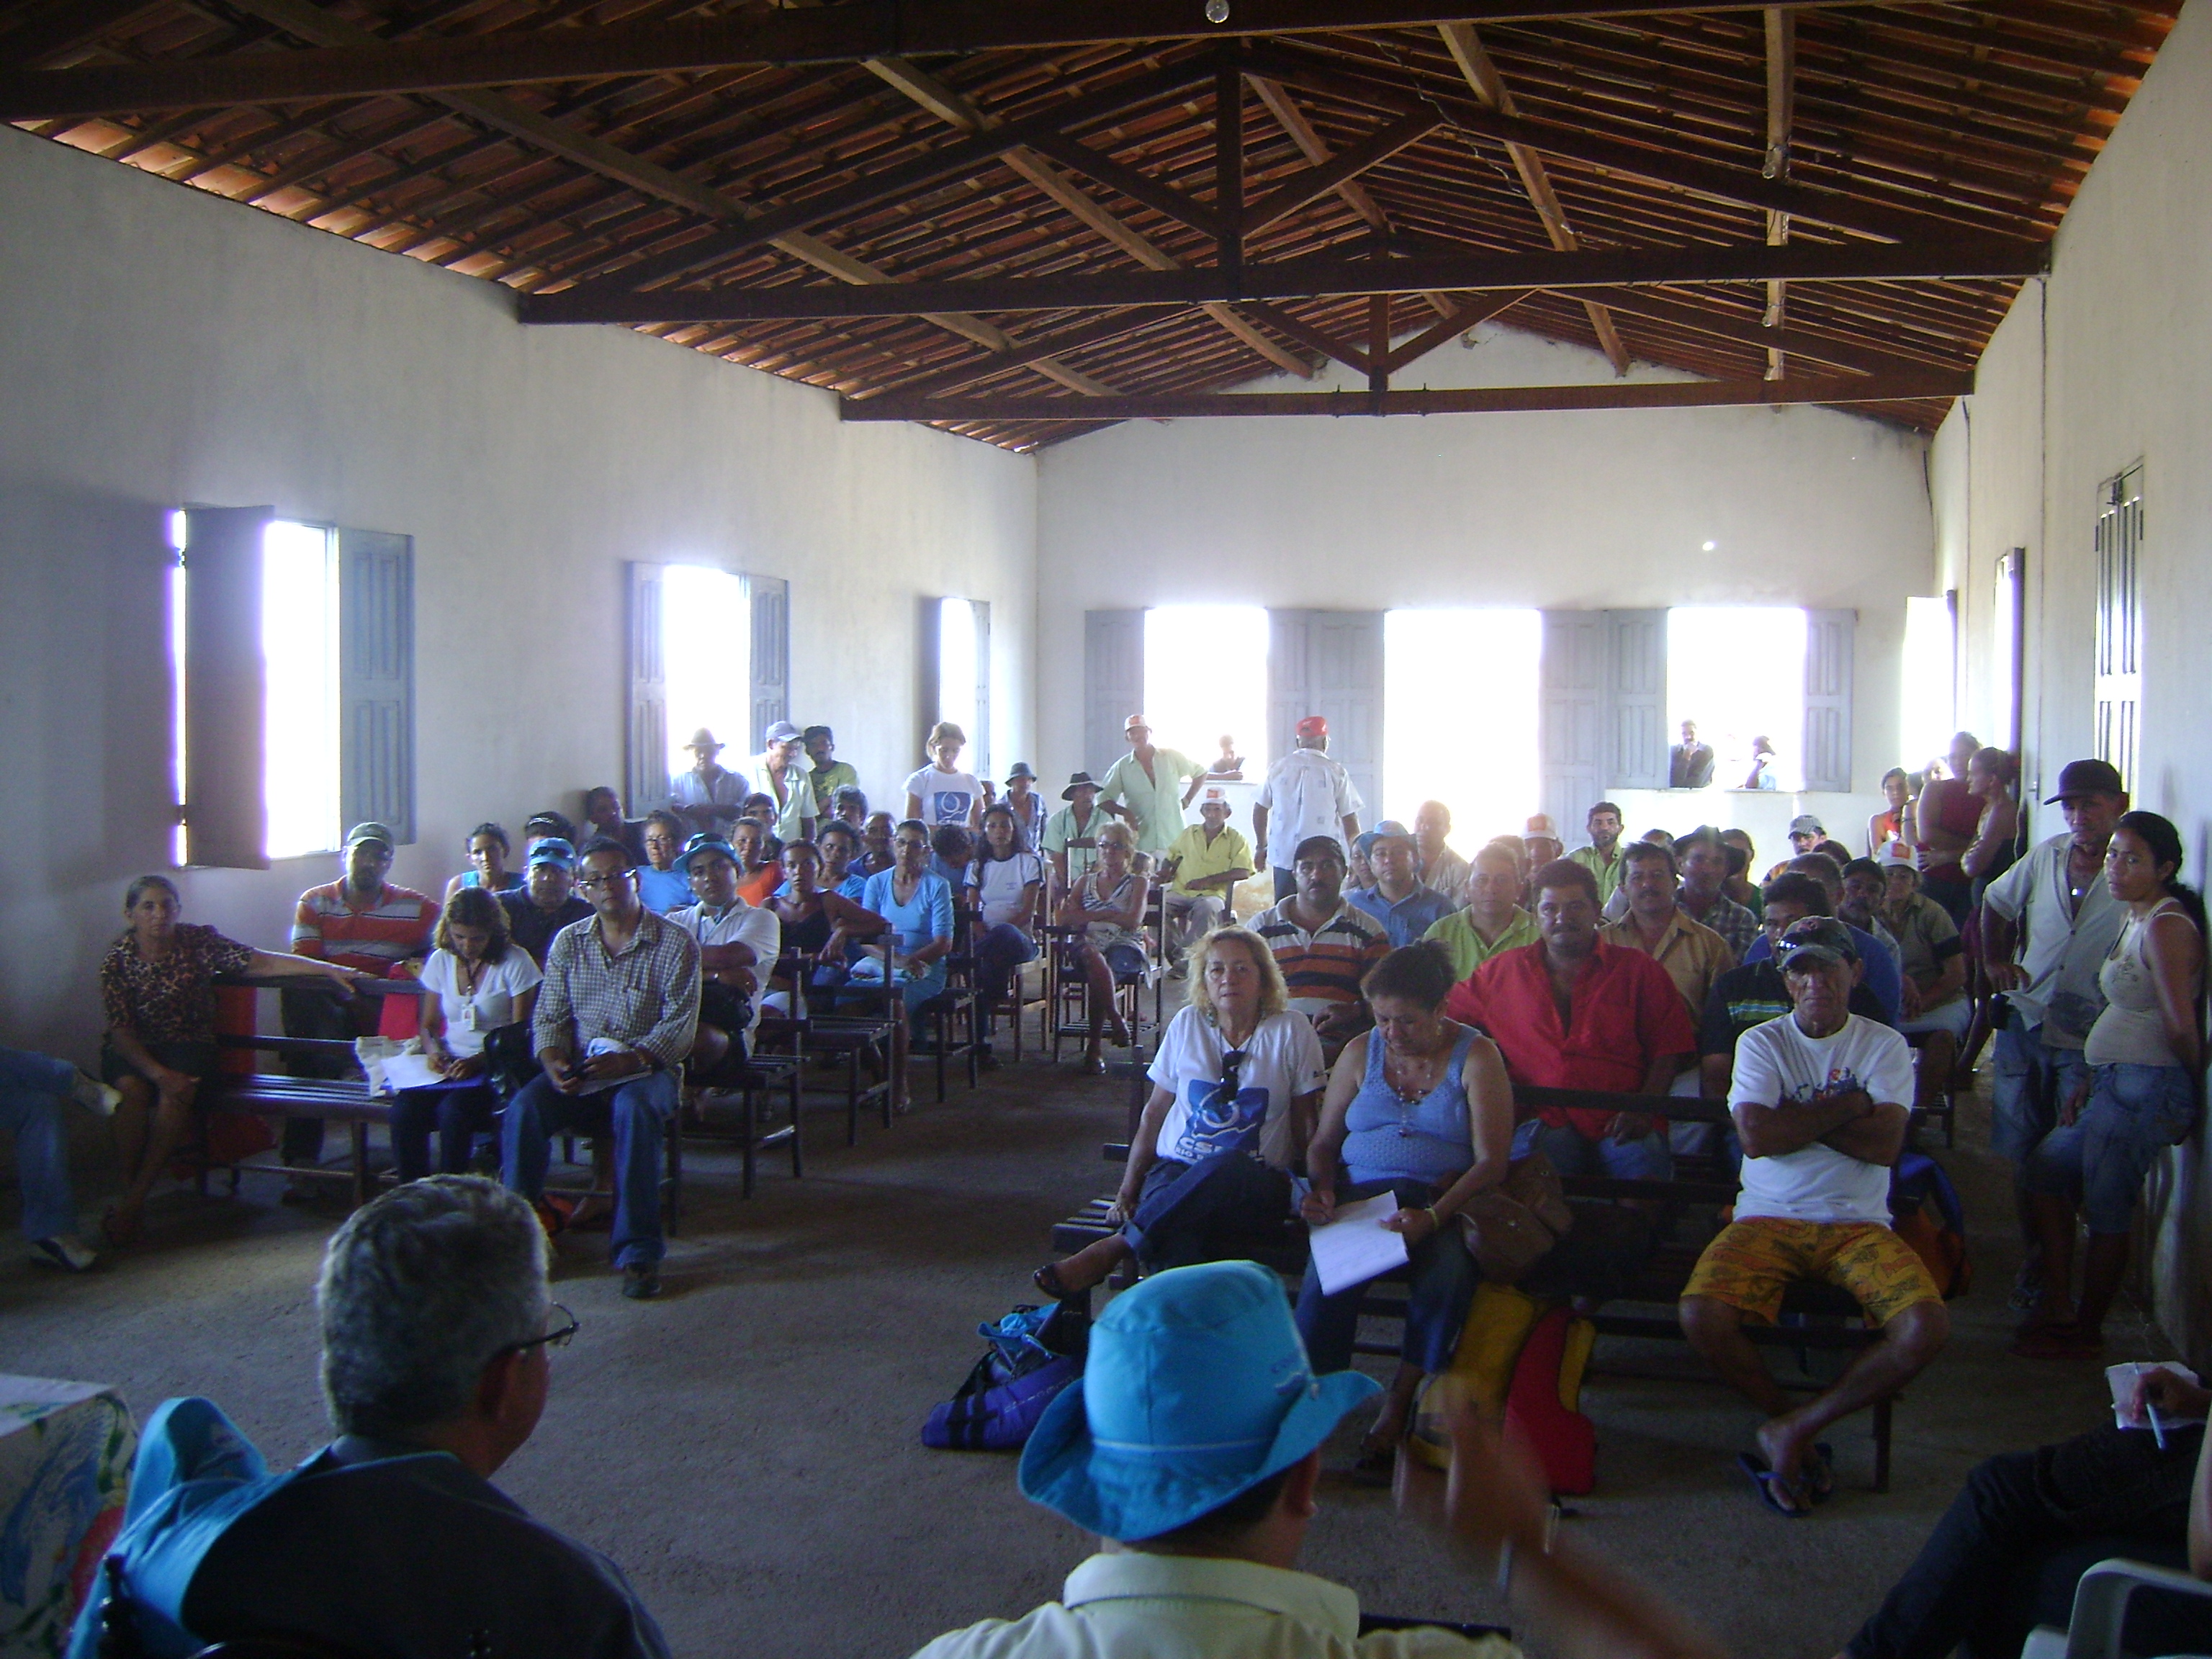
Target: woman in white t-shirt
point(477, 981)
point(1235, 1087)
point(940, 793)
point(1007, 882)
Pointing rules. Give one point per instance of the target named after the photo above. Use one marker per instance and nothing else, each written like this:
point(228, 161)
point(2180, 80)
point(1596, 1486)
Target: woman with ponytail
point(2146, 1051)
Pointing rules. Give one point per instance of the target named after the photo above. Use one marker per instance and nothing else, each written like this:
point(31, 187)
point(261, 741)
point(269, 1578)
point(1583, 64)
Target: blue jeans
point(456, 1114)
point(2032, 1079)
point(1573, 1153)
point(1002, 949)
point(639, 1113)
point(33, 1088)
point(1215, 1210)
point(2134, 1114)
point(1441, 1288)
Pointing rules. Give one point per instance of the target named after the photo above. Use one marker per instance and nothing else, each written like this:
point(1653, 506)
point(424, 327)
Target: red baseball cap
point(1313, 726)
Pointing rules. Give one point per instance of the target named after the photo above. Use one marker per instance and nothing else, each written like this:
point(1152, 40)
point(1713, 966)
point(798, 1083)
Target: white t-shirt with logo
point(470, 1019)
point(1281, 1063)
point(945, 797)
point(1777, 1063)
point(1000, 884)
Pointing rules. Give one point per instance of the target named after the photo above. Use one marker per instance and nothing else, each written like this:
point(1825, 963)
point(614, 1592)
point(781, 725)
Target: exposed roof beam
point(1314, 339)
point(1740, 185)
point(1315, 149)
point(1481, 75)
point(830, 34)
point(954, 109)
point(1748, 330)
point(311, 23)
point(1137, 186)
point(66, 29)
point(1670, 394)
point(1451, 327)
point(1022, 352)
point(1294, 193)
point(1981, 258)
point(1781, 29)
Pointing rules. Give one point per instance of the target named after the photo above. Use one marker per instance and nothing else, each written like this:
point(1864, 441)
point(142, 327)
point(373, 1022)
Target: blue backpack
point(1034, 1353)
point(1925, 1212)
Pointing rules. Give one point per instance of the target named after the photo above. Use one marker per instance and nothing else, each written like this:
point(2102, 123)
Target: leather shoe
point(640, 1281)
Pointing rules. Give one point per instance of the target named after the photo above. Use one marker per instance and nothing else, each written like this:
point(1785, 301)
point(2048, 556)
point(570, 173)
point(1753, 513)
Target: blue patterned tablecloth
point(65, 1455)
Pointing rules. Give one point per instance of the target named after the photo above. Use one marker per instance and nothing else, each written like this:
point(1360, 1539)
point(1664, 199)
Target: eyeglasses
point(612, 877)
point(559, 1337)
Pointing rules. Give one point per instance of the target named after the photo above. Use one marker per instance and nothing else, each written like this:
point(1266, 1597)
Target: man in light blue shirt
point(1406, 908)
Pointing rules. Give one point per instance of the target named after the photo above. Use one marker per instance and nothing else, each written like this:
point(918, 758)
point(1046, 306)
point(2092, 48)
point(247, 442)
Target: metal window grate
point(2119, 620)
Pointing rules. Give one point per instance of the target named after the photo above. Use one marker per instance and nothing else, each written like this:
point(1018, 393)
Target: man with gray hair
point(391, 1539)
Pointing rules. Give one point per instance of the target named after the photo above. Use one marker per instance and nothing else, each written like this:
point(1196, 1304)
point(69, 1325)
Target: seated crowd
point(1364, 1034)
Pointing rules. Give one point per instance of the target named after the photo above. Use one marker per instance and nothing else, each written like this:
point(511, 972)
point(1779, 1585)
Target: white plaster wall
point(1595, 509)
point(2110, 369)
point(159, 346)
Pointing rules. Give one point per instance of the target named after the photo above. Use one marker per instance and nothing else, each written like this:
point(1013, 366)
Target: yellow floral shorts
point(1751, 1263)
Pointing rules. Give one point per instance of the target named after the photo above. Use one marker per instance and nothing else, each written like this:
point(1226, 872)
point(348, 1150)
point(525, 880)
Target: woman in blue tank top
point(1420, 1106)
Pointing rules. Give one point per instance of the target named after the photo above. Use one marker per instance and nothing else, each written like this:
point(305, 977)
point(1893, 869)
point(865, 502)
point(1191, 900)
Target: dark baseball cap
point(2087, 777)
point(1820, 939)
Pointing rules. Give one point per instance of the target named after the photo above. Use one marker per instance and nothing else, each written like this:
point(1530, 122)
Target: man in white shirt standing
point(709, 795)
point(781, 772)
point(1193, 1442)
point(1306, 793)
point(1818, 1098)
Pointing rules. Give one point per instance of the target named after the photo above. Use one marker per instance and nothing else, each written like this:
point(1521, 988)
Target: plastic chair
point(2100, 1610)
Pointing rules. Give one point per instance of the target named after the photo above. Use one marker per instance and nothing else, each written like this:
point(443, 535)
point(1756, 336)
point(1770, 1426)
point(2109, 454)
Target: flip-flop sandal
point(1047, 1278)
point(1821, 1473)
point(1770, 1486)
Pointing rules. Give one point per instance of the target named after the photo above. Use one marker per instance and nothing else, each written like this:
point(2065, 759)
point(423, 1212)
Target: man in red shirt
point(1575, 1011)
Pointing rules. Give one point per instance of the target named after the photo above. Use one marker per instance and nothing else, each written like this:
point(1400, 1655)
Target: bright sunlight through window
point(299, 666)
point(1439, 665)
point(1206, 677)
point(1739, 672)
point(706, 642)
point(959, 671)
point(1928, 717)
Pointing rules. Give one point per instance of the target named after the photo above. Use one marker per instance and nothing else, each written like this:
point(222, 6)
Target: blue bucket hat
point(699, 844)
point(1196, 1388)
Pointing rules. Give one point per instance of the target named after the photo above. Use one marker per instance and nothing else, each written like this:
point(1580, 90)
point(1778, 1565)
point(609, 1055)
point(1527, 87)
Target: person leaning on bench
point(1192, 1445)
point(1817, 1100)
point(391, 1539)
point(157, 987)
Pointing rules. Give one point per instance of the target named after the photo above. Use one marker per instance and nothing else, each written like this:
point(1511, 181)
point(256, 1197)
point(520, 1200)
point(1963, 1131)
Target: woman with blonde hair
point(1234, 1089)
point(940, 793)
point(1108, 904)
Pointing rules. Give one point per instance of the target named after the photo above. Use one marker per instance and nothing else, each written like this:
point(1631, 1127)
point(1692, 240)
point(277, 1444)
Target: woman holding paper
point(477, 981)
point(1234, 1087)
point(1419, 1107)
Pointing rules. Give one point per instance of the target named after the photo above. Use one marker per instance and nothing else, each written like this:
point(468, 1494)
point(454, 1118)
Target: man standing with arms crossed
point(1306, 795)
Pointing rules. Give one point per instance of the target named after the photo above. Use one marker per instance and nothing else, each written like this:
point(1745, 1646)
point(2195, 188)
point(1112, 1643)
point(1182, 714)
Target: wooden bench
point(334, 1099)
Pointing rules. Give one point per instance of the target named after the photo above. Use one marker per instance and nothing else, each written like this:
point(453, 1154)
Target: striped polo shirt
point(330, 926)
point(1322, 968)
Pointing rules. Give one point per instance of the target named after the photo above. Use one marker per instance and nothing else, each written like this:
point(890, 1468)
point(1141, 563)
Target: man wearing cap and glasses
point(1405, 910)
point(707, 795)
point(783, 772)
point(1820, 1102)
point(1192, 1443)
point(1146, 787)
point(1305, 795)
point(1202, 869)
point(2048, 924)
point(616, 1014)
point(360, 921)
point(392, 1539)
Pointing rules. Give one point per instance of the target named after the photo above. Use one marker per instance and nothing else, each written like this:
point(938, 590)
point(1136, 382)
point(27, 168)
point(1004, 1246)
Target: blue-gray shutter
point(1289, 692)
point(2119, 621)
point(769, 597)
point(1571, 715)
point(645, 734)
point(1330, 663)
point(1113, 684)
point(980, 762)
point(225, 698)
point(376, 680)
point(1637, 670)
point(1829, 642)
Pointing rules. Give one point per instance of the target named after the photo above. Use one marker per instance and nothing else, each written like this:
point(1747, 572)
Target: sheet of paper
point(1356, 1246)
point(408, 1071)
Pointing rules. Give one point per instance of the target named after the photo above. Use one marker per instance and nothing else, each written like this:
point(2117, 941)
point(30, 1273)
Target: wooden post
point(1378, 349)
point(1229, 167)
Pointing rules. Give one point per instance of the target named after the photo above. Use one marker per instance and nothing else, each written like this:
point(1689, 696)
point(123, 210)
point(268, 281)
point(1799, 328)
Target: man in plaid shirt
point(615, 1015)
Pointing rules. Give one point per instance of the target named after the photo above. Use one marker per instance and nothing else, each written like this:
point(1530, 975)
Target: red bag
point(1564, 1440)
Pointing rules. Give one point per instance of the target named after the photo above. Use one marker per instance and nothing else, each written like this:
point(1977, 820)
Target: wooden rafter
point(1962, 260)
point(1468, 52)
point(1680, 394)
point(1781, 34)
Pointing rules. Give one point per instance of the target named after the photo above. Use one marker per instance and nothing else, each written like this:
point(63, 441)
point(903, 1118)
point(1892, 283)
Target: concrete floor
point(747, 1447)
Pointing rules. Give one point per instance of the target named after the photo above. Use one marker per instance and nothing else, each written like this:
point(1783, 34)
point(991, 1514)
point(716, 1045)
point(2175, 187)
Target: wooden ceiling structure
point(1018, 219)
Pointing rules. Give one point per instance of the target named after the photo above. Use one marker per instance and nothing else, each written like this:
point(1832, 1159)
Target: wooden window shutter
point(1830, 640)
point(1344, 672)
point(982, 764)
point(2119, 622)
point(1637, 668)
point(1290, 689)
point(1113, 682)
point(644, 738)
point(376, 680)
point(769, 597)
point(226, 812)
point(1571, 715)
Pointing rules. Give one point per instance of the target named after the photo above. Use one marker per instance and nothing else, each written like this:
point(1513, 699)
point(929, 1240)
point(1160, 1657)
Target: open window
point(1461, 694)
point(292, 651)
point(708, 648)
point(1205, 678)
point(956, 657)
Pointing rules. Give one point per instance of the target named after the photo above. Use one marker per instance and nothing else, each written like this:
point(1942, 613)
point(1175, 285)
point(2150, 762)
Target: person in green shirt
point(1202, 869)
point(1146, 788)
point(1493, 919)
point(1602, 858)
point(830, 775)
